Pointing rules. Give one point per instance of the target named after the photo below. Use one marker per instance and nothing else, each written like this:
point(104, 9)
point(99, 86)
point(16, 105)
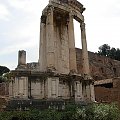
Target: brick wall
point(101, 67)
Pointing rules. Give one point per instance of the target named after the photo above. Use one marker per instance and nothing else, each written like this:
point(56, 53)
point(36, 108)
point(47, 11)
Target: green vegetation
point(4, 73)
point(71, 112)
point(106, 50)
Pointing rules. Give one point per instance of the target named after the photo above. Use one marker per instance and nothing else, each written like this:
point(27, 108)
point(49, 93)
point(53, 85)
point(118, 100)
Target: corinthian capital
point(50, 10)
point(82, 25)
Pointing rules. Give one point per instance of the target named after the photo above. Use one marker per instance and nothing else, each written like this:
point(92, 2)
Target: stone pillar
point(52, 88)
point(88, 92)
point(72, 52)
point(92, 92)
point(86, 70)
point(17, 86)
point(49, 86)
point(21, 87)
point(78, 93)
point(11, 89)
point(88, 89)
point(25, 87)
point(22, 58)
point(50, 39)
point(42, 49)
point(84, 92)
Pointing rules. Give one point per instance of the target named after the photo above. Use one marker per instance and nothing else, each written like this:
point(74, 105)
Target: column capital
point(71, 17)
point(50, 9)
point(82, 25)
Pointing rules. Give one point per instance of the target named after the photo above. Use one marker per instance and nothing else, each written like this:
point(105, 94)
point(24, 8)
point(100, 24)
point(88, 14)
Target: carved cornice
point(76, 5)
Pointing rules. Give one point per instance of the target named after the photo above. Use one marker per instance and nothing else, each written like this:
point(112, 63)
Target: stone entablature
point(75, 11)
point(73, 4)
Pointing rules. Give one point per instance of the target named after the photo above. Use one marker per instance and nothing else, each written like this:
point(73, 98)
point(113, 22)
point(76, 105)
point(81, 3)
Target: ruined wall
point(101, 67)
point(4, 89)
point(108, 93)
point(52, 88)
point(3, 95)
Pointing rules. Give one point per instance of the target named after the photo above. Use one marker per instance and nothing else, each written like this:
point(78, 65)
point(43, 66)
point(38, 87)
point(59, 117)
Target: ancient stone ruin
point(55, 77)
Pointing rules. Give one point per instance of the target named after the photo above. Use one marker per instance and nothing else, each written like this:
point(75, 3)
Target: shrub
point(71, 112)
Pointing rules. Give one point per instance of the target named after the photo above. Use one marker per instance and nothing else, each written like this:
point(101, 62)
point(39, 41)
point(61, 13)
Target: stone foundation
point(50, 86)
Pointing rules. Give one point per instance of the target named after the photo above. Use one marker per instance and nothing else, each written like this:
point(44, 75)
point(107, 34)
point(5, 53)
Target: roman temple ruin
point(55, 76)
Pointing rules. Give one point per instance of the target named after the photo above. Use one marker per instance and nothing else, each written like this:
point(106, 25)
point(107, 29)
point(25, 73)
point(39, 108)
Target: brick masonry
point(103, 69)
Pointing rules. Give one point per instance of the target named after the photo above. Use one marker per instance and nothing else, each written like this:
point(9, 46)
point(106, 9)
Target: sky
point(20, 27)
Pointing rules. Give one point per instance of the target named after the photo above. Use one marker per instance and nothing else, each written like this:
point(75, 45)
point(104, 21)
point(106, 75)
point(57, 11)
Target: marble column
point(42, 49)
point(86, 70)
point(72, 52)
point(50, 39)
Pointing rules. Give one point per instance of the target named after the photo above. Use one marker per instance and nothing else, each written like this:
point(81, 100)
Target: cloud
point(4, 12)
point(21, 32)
point(16, 46)
point(24, 31)
point(28, 6)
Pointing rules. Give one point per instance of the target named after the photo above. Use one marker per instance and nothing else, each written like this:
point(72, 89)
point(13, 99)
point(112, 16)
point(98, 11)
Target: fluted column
point(85, 61)
point(50, 39)
point(72, 52)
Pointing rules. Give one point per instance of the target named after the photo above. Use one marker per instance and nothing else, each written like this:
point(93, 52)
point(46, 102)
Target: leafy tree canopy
point(3, 70)
point(106, 50)
point(3, 73)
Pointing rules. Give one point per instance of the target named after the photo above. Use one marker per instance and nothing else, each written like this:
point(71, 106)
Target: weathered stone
point(22, 59)
point(101, 67)
point(55, 76)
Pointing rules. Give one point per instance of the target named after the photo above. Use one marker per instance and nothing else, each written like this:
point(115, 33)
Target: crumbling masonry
point(55, 77)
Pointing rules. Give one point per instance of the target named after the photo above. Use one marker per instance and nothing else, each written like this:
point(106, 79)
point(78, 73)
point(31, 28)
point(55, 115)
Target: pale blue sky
point(20, 21)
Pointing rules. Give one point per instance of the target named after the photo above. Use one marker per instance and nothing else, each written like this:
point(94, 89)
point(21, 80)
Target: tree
point(117, 57)
point(3, 73)
point(112, 53)
point(3, 70)
point(104, 50)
